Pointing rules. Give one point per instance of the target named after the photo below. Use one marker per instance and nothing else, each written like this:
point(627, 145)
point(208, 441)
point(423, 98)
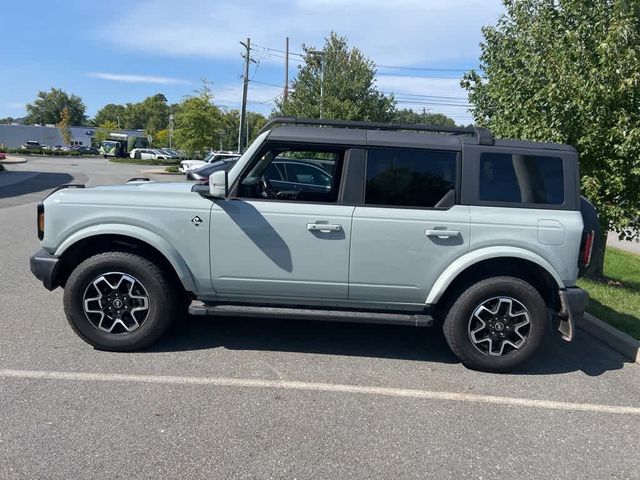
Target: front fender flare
point(164, 247)
point(471, 258)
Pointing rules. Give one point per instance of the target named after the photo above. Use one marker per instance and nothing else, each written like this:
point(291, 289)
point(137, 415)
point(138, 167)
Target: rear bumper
point(44, 266)
point(573, 301)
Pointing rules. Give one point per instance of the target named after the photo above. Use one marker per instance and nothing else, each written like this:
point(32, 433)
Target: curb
point(10, 160)
point(614, 338)
point(158, 171)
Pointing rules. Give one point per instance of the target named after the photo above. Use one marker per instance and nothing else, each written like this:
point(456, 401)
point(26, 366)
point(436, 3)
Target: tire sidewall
point(161, 305)
point(457, 323)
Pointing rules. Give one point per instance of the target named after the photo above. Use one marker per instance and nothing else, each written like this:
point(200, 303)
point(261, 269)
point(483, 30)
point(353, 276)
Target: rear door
point(409, 228)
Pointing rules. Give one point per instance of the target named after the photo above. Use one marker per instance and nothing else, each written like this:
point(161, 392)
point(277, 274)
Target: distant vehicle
point(285, 174)
point(187, 165)
point(203, 173)
point(86, 150)
point(169, 153)
point(2, 156)
point(148, 154)
point(31, 145)
point(121, 144)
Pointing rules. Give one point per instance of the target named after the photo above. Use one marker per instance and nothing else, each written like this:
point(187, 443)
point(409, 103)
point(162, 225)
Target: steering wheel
point(267, 188)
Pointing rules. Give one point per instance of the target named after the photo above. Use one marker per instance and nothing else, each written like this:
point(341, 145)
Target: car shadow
point(33, 183)
point(585, 353)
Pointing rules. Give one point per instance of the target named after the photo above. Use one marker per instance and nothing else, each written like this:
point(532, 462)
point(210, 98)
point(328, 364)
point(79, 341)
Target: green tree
point(436, 119)
point(569, 71)
point(64, 124)
point(48, 108)
point(110, 113)
point(102, 133)
point(196, 122)
point(161, 138)
point(349, 90)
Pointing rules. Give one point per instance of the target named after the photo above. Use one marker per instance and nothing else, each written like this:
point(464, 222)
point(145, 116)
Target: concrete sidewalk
point(633, 246)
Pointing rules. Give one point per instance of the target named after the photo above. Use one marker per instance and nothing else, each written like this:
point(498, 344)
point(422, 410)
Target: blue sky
point(123, 51)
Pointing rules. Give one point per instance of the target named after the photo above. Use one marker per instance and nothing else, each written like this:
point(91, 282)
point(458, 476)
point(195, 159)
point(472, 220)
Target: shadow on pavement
point(39, 182)
point(330, 338)
point(584, 354)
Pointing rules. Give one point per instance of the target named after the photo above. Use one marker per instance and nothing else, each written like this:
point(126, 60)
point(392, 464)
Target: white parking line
point(320, 387)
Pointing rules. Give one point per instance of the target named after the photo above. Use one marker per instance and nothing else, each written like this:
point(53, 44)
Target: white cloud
point(401, 32)
point(15, 105)
point(133, 78)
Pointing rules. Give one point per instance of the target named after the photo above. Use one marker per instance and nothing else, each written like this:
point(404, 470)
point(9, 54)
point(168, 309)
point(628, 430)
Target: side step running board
point(417, 320)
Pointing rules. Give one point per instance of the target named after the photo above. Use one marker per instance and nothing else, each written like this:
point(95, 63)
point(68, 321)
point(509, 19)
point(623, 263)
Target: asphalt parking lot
point(244, 398)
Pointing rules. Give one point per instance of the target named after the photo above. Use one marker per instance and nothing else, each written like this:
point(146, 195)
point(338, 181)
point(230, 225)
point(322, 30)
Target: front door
point(279, 239)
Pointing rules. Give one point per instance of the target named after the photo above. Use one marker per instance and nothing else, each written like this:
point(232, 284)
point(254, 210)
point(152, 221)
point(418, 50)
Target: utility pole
point(286, 70)
point(321, 54)
point(170, 130)
point(243, 110)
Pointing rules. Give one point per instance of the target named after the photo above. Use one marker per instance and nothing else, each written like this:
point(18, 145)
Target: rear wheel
point(119, 301)
point(496, 324)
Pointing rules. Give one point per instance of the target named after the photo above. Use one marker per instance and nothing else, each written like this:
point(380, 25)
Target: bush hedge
point(40, 151)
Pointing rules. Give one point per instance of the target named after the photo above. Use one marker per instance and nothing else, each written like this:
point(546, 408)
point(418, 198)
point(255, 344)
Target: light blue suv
point(412, 225)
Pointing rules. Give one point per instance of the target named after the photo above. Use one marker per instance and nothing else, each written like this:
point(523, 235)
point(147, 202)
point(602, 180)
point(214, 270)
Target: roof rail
point(483, 135)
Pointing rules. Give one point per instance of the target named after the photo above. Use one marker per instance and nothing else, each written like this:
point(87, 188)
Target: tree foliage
point(349, 90)
point(48, 107)
point(102, 132)
point(568, 71)
point(196, 122)
point(64, 124)
point(151, 114)
point(436, 119)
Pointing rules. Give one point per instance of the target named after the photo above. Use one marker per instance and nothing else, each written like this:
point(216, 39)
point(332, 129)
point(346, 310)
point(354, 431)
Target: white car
point(148, 154)
point(188, 165)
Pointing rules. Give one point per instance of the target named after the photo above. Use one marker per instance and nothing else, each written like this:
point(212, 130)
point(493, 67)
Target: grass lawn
point(617, 302)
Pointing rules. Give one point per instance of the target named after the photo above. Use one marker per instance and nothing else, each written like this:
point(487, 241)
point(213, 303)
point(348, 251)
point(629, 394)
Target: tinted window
point(411, 178)
point(301, 173)
point(521, 179)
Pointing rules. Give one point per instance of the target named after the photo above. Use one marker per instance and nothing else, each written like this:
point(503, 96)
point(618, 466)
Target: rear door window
point(409, 178)
point(514, 178)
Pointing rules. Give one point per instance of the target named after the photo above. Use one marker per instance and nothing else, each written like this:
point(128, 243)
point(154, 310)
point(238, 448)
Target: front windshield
point(246, 156)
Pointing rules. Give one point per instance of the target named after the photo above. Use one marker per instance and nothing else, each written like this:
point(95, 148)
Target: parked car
point(84, 150)
point(174, 153)
point(415, 226)
point(187, 165)
point(285, 174)
point(31, 145)
point(148, 154)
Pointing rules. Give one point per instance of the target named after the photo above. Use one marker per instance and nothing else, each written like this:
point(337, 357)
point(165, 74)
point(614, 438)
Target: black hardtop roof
point(345, 133)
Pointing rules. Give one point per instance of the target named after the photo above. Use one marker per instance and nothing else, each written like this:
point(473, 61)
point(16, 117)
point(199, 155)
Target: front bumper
point(573, 301)
point(44, 266)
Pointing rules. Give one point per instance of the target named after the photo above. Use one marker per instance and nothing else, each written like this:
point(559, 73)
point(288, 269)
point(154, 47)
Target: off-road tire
point(456, 323)
point(162, 299)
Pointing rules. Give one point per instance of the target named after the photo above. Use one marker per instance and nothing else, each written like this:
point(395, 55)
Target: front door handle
point(323, 227)
point(442, 233)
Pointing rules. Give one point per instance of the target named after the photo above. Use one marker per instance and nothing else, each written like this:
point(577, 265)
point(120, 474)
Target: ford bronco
point(378, 223)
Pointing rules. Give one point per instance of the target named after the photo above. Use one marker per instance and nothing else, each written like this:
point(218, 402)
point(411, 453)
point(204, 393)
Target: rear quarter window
point(514, 178)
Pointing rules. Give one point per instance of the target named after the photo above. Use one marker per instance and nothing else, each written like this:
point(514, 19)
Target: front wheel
point(119, 301)
point(496, 324)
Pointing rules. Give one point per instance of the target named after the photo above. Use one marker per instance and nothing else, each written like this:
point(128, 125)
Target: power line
point(425, 69)
point(415, 76)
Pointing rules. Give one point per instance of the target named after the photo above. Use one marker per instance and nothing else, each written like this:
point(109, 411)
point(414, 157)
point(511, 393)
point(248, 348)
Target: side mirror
point(218, 184)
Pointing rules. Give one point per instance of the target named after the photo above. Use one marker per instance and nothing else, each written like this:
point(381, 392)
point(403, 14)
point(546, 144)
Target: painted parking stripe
point(320, 387)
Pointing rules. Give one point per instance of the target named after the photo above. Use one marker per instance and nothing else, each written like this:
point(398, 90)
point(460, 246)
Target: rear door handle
point(442, 233)
point(323, 227)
